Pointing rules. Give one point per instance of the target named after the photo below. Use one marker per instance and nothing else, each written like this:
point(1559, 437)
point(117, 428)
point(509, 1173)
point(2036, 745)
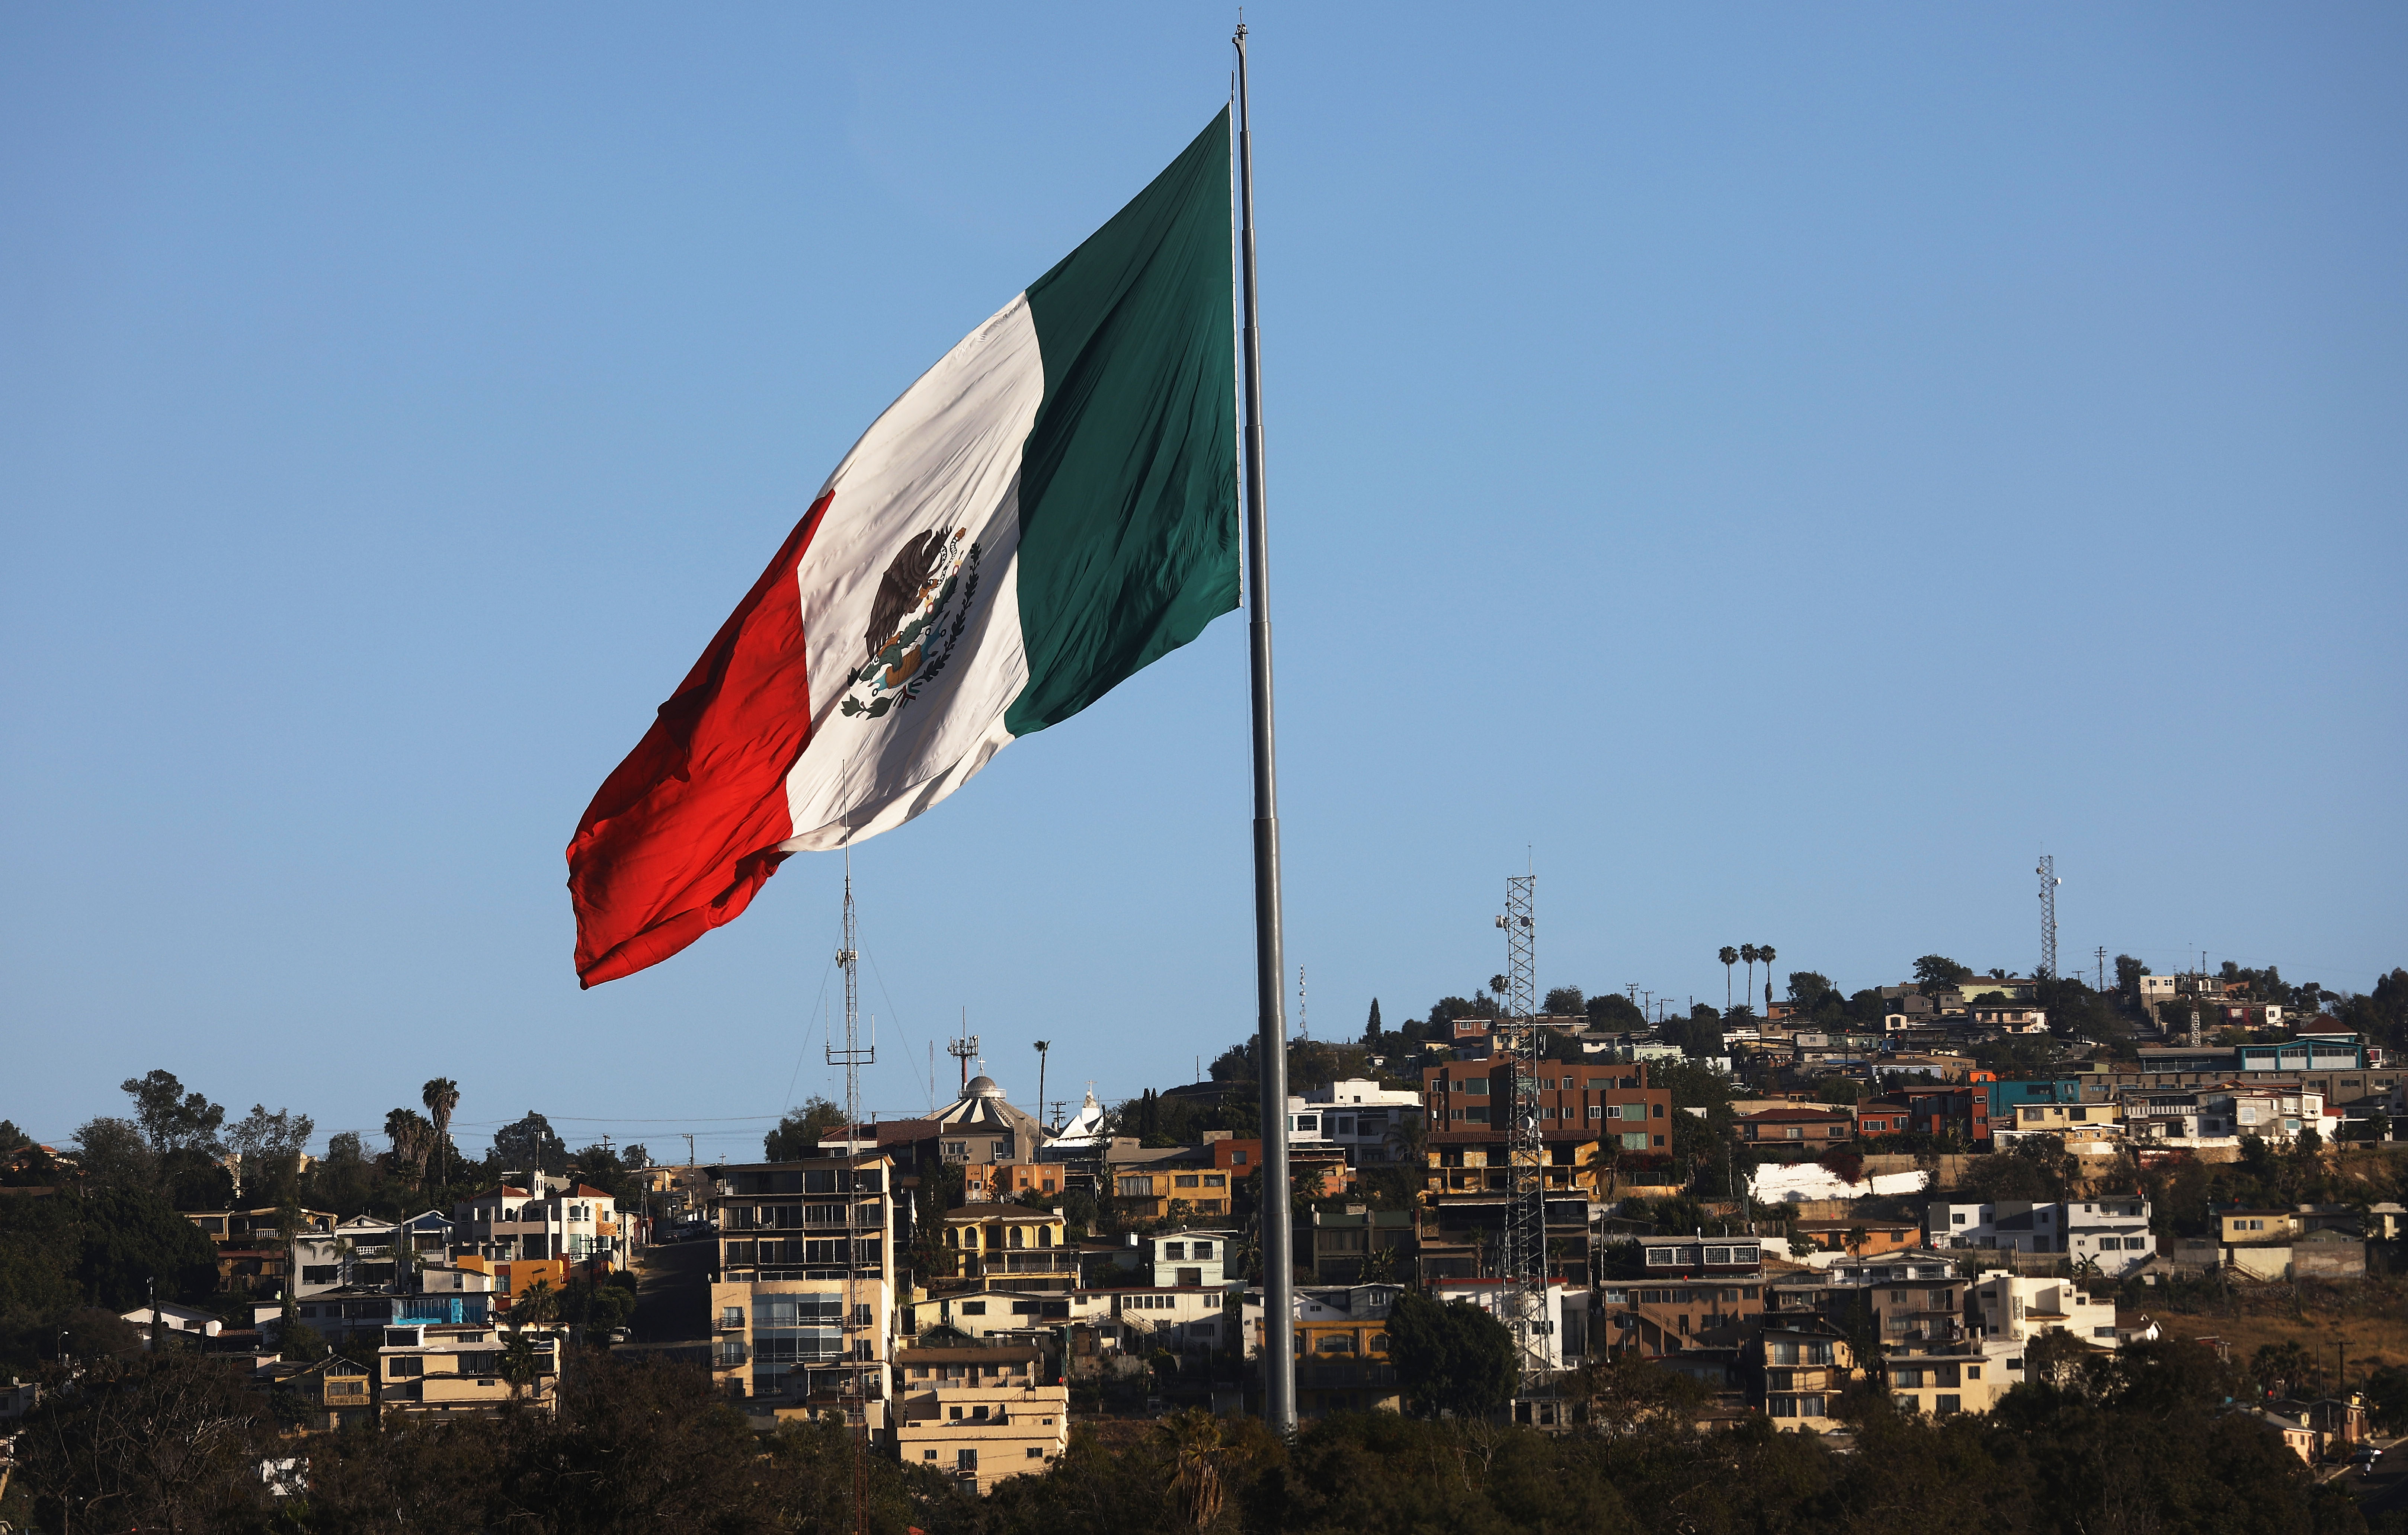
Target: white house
point(2112, 1231)
point(1488, 1295)
point(175, 1318)
point(1358, 1114)
point(1188, 1257)
point(2016, 1310)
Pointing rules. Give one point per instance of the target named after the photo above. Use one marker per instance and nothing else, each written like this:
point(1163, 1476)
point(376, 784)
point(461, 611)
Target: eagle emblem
point(922, 605)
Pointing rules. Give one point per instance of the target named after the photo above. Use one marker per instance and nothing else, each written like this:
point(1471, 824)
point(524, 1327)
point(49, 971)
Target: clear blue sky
point(1783, 468)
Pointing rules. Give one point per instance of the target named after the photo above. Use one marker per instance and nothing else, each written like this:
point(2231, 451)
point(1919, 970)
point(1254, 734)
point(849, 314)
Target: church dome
point(984, 1087)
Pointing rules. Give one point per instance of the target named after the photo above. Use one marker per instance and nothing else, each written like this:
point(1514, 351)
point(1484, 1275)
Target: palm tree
point(1042, 1046)
point(441, 1095)
point(1764, 952)
point(1729, 956)
point(413, 1139)
point(1195, 1436)
point(1747, 952)
point(537, 1306)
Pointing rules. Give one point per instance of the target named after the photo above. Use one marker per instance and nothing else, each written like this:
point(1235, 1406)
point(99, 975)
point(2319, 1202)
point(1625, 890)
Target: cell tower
point(853, 1387)
point(2049, 884)
point(964, 1050)
point(1523, 1267)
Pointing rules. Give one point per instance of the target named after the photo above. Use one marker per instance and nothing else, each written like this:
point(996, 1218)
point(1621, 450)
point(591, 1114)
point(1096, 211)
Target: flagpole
point(1270, 1052)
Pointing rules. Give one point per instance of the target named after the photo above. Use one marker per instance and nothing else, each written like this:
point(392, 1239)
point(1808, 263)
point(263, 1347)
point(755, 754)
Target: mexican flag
point(1049, 507)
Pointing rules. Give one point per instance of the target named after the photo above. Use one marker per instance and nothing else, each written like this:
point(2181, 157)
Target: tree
point(797, 1135)
point(1194, 1437)
point(1372, 1029)
point(1453, 1358)
point(1748, 953)
point(1566, 1001)
point(537, 1306)
point(170, 1441)
point(1810, 989)
point(1938, 973)
point(269, 1149)
point(1611, 1010)
point(1764, 952)
point(528, 1146)
point(112, 1153)
point(440, 1095)
point(171, 1118)
point(1729, 956)
point(413, 1142)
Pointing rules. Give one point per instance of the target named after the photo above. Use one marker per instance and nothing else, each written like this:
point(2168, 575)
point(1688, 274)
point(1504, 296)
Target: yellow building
point(1943, 1379)
point(2244, 1226)
point(331, 1394)
point(979, 1414)
point(1013, 1246)
point(441, 1370)
point(513, 1276)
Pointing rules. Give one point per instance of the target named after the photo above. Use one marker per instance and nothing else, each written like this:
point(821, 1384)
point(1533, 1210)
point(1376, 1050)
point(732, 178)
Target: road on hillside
point(673, 1294)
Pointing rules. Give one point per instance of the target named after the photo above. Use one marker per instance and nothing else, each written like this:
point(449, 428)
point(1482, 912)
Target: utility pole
point(1042, 1045)
point(689, 1147)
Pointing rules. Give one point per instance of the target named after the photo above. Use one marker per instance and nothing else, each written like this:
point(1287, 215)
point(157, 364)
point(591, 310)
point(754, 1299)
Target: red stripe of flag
point(686, 829)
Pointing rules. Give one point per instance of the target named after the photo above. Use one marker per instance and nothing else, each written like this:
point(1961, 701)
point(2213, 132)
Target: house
point(2297, 1435)
point(1188, 1257)
point(1881, 1116)
point(343, 1314)
point(1358, 1116)
point(2022, 1226)
point(1800, 1129)
point(195, 1324)
point(1341, 1347)
point(2109, 1233)
point(254, 1251)
point(2072, 1121)
point(2241, 1227)
point(1468, 1179)
point(1685, 1290)
point(1860, 1238)
point(1940, 1380)
point(2014, 1015)
point(1795, 1372)
point(1013, 1245)
point(794, 1314)
point(2012, 1309)
point(332, 1393)
point(443, 1370)
point(979, 1414)
point(1897, 1298)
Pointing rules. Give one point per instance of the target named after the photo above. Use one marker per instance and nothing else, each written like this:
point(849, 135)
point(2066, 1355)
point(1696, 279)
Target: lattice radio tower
point(2049, 884)
point(1523, 1268)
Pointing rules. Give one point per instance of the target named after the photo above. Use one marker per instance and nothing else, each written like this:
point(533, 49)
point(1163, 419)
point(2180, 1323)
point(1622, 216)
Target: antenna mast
point(1522, 1271)
point(854, 1384)
point(2049, 884)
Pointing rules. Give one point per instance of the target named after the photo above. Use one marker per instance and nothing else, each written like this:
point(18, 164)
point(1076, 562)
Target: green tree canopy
point(797, 1135)
point(171, 1118)
point(1938, 973)
point(1452, 1358)
point(526, 1145)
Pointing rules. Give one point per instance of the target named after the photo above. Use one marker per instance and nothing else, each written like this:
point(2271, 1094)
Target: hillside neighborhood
point(1936, 1193)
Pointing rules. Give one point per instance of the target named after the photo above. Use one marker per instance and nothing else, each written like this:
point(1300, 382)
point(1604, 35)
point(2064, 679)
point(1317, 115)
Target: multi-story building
point(547, 1218)
point(514, 1277)
point(1615, 1102)
point(1356, 1245)
point(254, 1251)
point(435, 1369)
point(979, 1414)
point(1943, 1379)
point(1342, 1351)
point(1467, 1189)
point(1802, 1129)
point(366, 1251)
point(1898, 1298)
point(2012, 1308)
point(1358, 1116)
point(796, 1315)
point(1795, 1372)
point(1685, 1288)
point(1010, 1246)
point(343, 1314)
point(2110, 1230)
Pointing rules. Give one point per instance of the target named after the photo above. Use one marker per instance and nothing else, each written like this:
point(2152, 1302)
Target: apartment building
point(1468, 1186)
point(1795, 1372)
point(546, 1217)
point(1010, 1245)
point(796, 1315)
point(1688, 1290)
point(1898, 1298)
point(2023, 1225)
point(1943, 1379)
point(979, 1414)
point(443, 1370)
point(366, 1251)
point(255, 1252)
point(1798, 1131)
point(1613, 1101)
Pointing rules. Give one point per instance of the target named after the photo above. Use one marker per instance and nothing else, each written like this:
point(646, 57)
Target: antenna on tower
point(853, 1393)
point(1303, 1026)
point(2049, 884)
point(964, 1049)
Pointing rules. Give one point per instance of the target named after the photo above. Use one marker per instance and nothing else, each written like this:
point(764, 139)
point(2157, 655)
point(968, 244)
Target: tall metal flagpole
point(1270, 1053)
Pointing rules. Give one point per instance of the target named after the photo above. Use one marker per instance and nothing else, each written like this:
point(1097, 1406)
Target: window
point(973, 1308)
point(1237, 1159)
point(1036, 1452)
point(1794, 1132)
point(1003, 1151)
point(1942, 1406)
point(1187, 1180)
point(1173, 1251)
point(1595, 1111)
point(1203, 1249)
point(1212, 1179)
point(1661, 1257)
point(1634, 1141)
point(1135, 1187)
point(1478, 1111)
